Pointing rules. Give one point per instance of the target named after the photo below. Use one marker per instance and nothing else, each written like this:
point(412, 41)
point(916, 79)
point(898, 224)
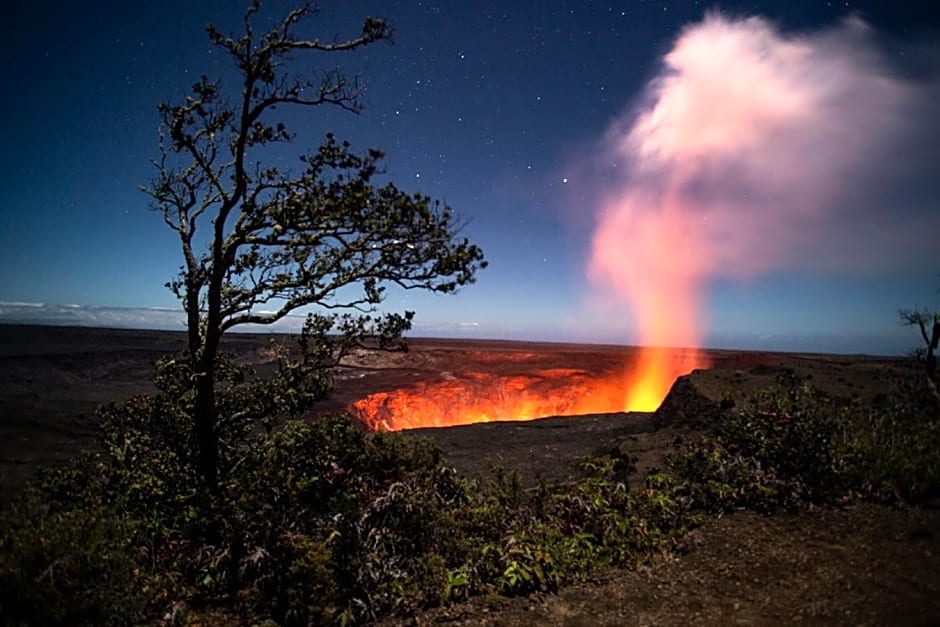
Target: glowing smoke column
point(653, 262)
point(743, 158)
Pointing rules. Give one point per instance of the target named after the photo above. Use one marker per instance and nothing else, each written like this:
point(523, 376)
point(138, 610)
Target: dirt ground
point(864, 565)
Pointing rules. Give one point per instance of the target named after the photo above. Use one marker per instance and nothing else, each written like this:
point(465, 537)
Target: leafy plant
point(791, 446)
point(71, 568)
point(320, 522)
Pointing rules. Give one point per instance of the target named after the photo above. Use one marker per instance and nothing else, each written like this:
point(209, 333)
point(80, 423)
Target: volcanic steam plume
point(753, 151)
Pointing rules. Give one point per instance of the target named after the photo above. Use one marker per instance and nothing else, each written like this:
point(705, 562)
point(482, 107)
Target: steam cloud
point(753, 151)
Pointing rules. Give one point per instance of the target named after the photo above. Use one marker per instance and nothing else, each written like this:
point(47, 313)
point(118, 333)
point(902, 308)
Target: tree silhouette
point(271, 239)
point(929, 325)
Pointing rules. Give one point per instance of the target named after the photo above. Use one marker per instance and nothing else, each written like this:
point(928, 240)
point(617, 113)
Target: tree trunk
point(931, 356)
point(202, 360)
point(206, 435)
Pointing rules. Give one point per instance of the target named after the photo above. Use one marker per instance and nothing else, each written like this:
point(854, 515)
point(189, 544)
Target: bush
point(70, 568)
point(895, 446)
point(778, 451)
point(793, 446)
point(315, 503)
point(323, 523)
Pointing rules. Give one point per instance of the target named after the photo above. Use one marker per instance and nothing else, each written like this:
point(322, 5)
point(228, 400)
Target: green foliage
point(68, 568)
point(895, 446)
point(321, 523)
point(792, 446)
point(777, 452)
point(292, 582)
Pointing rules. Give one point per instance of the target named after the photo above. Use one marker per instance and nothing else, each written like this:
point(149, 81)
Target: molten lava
point(654, 373)
point(475, 397)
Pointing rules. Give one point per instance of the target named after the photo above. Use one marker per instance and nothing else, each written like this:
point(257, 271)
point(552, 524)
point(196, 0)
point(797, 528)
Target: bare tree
point(271, 239)
point(929, 325)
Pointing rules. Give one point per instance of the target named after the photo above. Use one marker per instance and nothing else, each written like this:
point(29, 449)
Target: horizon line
point(474, 339)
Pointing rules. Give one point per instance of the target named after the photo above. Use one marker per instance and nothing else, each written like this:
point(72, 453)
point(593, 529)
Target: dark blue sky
point(486, 105)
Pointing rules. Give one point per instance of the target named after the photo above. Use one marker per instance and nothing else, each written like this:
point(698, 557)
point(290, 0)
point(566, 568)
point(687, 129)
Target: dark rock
point(771, 369)
point(688, 405)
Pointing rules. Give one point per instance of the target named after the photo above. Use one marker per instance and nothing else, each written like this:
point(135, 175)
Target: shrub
point(777, 452)
point(323, 523)
point(792, 446)
point(70, 568)
point(895, 446)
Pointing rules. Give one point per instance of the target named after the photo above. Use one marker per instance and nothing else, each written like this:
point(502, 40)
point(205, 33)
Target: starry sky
point(507, 111)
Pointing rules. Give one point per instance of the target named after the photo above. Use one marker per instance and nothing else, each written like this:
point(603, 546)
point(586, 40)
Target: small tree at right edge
point(929, 325)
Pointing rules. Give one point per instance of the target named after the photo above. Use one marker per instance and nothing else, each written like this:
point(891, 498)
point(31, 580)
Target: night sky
point(510, 112)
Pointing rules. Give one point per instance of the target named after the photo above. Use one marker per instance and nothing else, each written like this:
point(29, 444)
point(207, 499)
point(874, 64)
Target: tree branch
point(914, 317)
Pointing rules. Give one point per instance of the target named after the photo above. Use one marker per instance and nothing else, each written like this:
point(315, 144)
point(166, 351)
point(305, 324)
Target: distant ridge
point(899, 342)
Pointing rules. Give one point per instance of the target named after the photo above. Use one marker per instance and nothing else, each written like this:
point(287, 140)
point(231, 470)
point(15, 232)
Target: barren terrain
point(861, 565)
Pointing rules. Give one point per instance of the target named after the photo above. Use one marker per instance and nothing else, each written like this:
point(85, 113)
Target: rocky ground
point(862, 565)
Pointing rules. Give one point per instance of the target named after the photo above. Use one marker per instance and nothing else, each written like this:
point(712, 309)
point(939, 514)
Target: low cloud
point(113, 317)
point(90, 316)
point(168, 319)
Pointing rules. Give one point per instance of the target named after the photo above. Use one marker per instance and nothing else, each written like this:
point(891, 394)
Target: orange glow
point(649, 259)
point(655, 372)
point(473, 397)
point(481, 397)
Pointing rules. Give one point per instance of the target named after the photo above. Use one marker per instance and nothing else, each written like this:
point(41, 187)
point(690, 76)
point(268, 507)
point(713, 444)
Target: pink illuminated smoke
point(754, 151)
